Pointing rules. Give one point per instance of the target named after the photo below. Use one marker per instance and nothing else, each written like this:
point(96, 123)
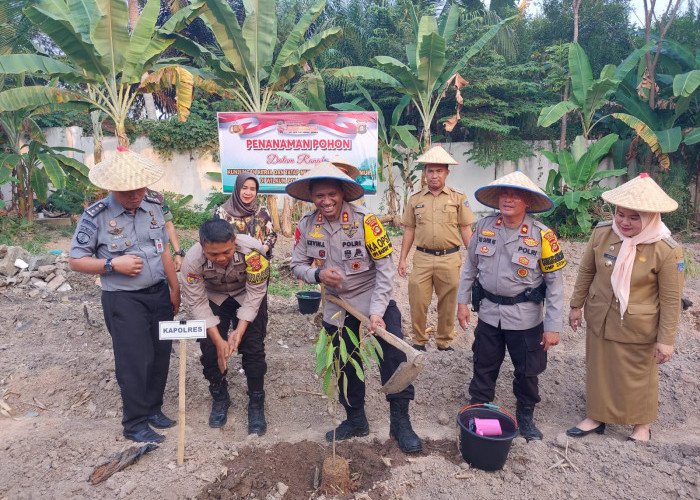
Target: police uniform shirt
point(506, 266)
point(244, 279)
point(437, 219)
point(107, 230)
point(355, 244)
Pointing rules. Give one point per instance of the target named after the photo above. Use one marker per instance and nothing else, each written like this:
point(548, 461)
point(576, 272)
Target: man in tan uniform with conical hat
point(438, 219)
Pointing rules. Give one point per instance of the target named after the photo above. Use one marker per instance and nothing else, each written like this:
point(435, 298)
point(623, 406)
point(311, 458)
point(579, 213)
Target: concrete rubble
point(38, 274)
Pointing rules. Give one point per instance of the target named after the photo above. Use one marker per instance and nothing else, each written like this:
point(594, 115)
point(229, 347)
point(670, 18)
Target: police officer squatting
point(225, 283)
point(345, 247)
point(123, 239)
point(512, 270)
point(438, 218)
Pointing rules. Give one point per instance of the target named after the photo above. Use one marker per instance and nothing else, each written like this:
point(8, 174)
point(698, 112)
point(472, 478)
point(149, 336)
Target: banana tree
point(30, 164)
point(426, 75)
point(104, 63)
point(577, 180)
point(659, 127)
point(588, 95)
point(244, 61)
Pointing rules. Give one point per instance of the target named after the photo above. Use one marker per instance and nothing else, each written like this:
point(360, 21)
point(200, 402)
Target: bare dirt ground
point(57, 376)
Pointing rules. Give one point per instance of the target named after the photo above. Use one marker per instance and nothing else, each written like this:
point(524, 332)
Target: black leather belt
point(536, 294)
point(152, 289)
point(438, 252)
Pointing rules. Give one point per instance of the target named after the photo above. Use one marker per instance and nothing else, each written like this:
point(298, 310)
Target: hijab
point(653, 230)
point(234, 205)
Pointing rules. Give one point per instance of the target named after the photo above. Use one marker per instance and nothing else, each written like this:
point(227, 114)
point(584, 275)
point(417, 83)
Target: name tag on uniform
point(179, 330)
point(159, 245)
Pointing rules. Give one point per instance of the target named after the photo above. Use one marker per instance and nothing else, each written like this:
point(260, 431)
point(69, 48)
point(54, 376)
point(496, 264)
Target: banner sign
point(281, 147)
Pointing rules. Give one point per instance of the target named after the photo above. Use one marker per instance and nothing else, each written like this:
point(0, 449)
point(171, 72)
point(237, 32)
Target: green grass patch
point(283, 282)
point(32, 237)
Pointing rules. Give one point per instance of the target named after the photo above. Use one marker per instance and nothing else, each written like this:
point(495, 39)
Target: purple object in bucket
point(487, 427)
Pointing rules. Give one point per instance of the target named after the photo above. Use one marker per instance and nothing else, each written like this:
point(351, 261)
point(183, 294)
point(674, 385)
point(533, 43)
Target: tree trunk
point(564, 119)
point(287, 218)
point(271, 202)
point(697, 194)
point(150, 107)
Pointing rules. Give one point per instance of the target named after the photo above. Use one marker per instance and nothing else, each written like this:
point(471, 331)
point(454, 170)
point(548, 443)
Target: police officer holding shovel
point(510, 273)
point(352, 253)
point(123, 239)
point(225, 283)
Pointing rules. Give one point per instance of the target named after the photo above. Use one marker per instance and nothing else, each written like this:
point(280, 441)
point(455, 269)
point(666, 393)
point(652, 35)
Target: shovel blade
point(404, 376)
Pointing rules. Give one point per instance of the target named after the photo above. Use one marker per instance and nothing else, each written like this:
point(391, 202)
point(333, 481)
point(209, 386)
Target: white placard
point(177, 330)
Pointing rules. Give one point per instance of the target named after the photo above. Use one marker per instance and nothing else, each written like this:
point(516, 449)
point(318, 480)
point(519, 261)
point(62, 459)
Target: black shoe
point(220, 405)
point(145, 435)
point(256, 413)
point(524, 416)
point(419, 347)
point(160, 421)
point(400, 428)
point(448, 348)
point(355, 425)
point(577, 433)
point(638, 440)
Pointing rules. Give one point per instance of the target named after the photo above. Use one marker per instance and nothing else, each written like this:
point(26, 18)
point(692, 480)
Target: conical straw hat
point(346, 167)
point(125, 171)
point(641, 194)
point(299, 189)
point(437, 155)
point(488, 195)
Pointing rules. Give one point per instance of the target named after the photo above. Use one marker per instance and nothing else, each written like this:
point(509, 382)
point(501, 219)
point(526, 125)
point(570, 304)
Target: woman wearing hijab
point(630, 280)
point(246, 215)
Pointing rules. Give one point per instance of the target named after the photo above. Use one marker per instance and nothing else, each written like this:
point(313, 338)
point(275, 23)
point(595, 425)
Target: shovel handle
point(379, 331)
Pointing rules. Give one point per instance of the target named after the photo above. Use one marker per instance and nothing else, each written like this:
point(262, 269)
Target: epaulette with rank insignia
point(604, 223)
point(153, 199)
point(670, 242)
point(95, 208)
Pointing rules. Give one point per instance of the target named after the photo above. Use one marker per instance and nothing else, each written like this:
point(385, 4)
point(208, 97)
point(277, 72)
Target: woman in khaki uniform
point(631, 280)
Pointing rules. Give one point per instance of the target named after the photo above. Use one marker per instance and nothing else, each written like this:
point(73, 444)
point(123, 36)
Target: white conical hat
point(437, 155)
point(488, 195)
point(125, 171)
point(299, 189)
point(641, 194)
point(346, 167)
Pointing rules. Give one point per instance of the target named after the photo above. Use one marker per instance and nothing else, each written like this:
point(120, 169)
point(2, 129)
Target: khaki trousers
point(442, 274)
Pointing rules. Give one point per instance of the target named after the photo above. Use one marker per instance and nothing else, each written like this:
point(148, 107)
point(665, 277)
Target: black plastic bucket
point(309, 301)
point(485, 452)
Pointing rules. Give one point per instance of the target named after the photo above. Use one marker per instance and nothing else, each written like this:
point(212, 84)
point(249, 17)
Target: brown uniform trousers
point(437, 221)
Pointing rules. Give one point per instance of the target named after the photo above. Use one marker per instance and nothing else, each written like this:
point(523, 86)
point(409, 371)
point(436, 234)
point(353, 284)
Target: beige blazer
point(655, 290)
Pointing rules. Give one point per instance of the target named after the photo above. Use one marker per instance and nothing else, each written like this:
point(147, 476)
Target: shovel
point(407, 371)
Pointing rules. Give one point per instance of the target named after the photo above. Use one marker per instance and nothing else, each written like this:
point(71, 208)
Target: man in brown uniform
point(225, 283)
point(439, 219)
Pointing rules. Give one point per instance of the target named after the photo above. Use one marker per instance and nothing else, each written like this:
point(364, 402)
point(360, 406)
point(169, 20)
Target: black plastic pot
point(309, 301)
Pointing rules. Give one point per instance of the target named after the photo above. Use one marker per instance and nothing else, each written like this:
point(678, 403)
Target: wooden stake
point(181, 414)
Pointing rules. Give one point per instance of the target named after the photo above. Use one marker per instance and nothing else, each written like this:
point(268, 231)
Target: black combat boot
point(220, 405)
point(400, 427)
point(256, 413)
point(356, 425)
point(524, 414)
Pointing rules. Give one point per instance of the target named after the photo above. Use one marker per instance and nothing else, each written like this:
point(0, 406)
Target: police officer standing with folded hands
point(510, 273)
point(123, 239)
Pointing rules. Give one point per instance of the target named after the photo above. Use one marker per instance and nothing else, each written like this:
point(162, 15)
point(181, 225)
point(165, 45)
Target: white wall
point(185, 174)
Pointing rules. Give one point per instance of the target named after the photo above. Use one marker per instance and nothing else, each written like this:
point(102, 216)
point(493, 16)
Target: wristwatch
point(108, 266)
point(317, 275)
point(180, 253)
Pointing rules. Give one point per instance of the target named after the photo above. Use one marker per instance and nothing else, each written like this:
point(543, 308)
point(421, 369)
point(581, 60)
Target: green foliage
point(332, 360)
point(184, 216)
point(575, 186)
point(21, 232)
point(198, 135)
point(282, 281)
point(675, 183)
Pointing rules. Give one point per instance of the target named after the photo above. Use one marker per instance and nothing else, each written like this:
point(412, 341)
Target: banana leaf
point(686, 84)
point(111, 34)
point(430, 53)
point(553, 114)
point(581, 74)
